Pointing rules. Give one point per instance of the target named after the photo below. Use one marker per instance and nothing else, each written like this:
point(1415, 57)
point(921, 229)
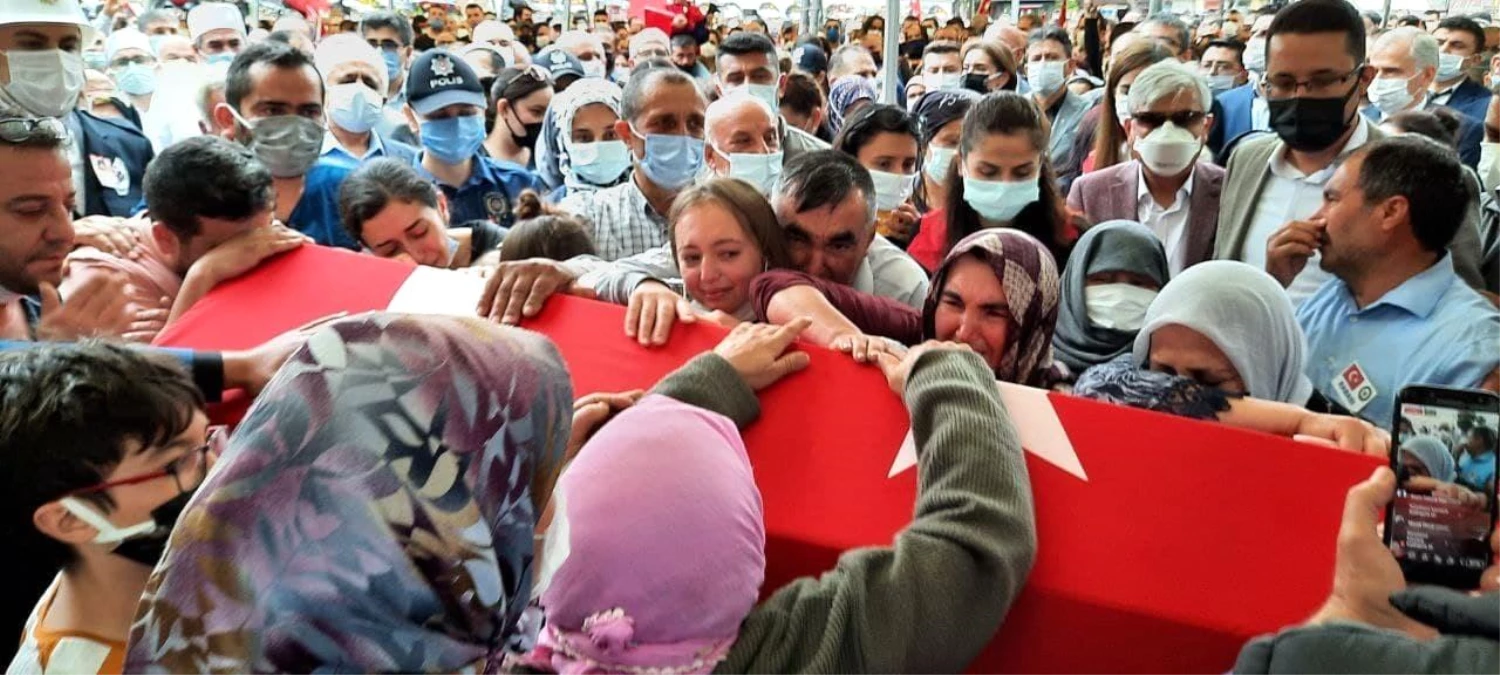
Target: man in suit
point(1406, 64)
point(1049, 64)
point(1460, 45)
point(1243, 108)
point(1165, 187)
point(1314, 81)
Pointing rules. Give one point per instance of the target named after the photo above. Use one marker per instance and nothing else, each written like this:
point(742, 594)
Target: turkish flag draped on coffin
point(1164, 543)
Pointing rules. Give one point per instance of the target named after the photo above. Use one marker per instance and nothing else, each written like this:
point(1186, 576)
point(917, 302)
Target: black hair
point(871, 121)
point(1486, 436)
point(1005, 112)
point(67, 412)
point(1409, 20)
point(205, 177)
point(1430, 177)
point(642, 77)
point(284, 36)
point(869, 23)
point(684, 40)
point(392, 20)
point(1467, 25)
point(747, 42)
point(1055, 34)
point(374, 185)
point(1184, 36)
point(802, 94)
point(1308, 17)
point(1440, 124)
point(511, 86)
point(237, 82)
point(1232, 45)
point(543, 232)
point(1373, 16)
point(824, 179)
point(941, 47)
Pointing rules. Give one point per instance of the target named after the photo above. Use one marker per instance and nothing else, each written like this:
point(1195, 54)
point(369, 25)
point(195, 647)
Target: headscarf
point(656, 551)
point(1028, 274)
point(938, 107)
point(373, 513)
point(1113, 246)
point(564, 108)
point(845, 93)
point(1434, 455)
point(1247, 315)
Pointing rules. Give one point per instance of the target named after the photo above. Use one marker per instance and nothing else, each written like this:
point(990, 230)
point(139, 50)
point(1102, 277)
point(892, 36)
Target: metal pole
point(892, 52)
point(1015, 12)
point(1385, 20)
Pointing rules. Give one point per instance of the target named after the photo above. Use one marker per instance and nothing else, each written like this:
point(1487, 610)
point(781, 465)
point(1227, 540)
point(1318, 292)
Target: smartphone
point(1443, 452)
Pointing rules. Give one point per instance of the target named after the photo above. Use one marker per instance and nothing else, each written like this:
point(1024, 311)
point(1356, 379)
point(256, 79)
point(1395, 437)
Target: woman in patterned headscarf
point(374, 512)
point(576, 156)
point(844, 97)
point(997, 291)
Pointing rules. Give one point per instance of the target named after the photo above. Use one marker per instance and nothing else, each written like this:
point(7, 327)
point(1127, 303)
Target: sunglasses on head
point(24, 129)
point(1181, 118)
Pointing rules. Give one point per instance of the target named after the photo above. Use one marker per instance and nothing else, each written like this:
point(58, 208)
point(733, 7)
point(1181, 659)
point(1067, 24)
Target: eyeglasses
point(1181, 118)
point(187, 471)
point(25, 129)
point(387, 45)
point(1327, 84)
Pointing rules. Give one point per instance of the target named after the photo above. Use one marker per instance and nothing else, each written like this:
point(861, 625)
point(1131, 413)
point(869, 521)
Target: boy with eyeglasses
point(101, 448)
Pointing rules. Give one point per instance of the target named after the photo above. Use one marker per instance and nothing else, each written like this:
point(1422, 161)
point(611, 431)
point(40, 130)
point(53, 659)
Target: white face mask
point(760, 171)
point(1118, 306)
point(1489, 165)
point(1255, 55)
point(938, 161)
point(941, 81)
point(45, 83)
point(1122, 108)
point(1045, 76)
point(1219, 84)
point(892, 189)
point(354, 106)
point(1169, 149)
point(765, 92)
point(1450, 67)
point(593, 68)
point(1391, 94)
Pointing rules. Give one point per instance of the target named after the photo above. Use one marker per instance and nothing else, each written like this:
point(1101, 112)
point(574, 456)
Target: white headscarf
point(557, 127)
point(1434, 455)
point(1247, 315)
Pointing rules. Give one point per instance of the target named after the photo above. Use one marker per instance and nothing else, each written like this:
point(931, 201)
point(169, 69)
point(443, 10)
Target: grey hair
point(214, 80)
point(823, 179)
point(1424, 47)
point(642, 77)
point(1165, 78)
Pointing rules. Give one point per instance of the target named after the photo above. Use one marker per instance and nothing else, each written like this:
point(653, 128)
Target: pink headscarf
point(656, 552)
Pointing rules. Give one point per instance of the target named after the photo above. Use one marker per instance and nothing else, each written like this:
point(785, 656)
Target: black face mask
point(975, 82)
point(527, 140)
point(147, 549)
point(1310, 124)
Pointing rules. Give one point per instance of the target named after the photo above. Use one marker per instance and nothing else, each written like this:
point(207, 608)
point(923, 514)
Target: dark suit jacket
point(1110, 194)
point(1470, 132)
point(1235, 118)
point(112, 142)
point(1472, 99)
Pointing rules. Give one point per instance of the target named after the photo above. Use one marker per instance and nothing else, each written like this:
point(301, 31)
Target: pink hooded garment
point(656, 552)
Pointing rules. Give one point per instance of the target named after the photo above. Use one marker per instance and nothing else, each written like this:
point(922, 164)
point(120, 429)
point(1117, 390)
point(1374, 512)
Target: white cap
point(214, 16)
point(491, 30)
point(649, 36)
point(346, 47)
point(126, 38)
point(46, 11)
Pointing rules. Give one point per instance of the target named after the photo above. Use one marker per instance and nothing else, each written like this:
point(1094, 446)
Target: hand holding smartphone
point(1439, 524)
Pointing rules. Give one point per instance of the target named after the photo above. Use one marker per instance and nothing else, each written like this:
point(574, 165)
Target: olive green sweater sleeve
point(932, 601)
point(710, 383)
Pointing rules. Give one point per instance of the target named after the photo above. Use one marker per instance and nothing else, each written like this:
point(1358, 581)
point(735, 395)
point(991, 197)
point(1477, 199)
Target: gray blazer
point(1110, 194)
point(1249, 168)
point(1065, 126)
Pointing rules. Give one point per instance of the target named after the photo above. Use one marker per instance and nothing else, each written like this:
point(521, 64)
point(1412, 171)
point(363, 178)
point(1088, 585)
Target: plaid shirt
point(624, 222)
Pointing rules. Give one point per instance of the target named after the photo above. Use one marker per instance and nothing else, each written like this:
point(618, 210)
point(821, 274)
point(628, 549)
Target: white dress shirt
point(1292, 195)
point(1169, 223)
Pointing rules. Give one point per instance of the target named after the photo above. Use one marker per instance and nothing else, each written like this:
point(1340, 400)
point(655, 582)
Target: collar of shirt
point(376, 148)
point(1445, 93)
point(639, 204)
point(1143, 191)
point(1281, 169)
point(479, 173)
point(1418, 295)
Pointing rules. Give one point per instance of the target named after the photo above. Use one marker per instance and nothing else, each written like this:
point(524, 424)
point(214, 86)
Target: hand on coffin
point(897, 369)
point(652, 310)
point(519, 288)
point(758, 352)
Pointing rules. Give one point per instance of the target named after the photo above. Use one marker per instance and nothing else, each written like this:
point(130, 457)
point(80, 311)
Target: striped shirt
point(624, 222)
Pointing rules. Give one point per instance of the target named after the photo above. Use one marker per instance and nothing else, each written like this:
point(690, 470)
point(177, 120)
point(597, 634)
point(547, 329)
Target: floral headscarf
point(1029, 276)
point(557, 127)
point(844, 94)
point(373, 513)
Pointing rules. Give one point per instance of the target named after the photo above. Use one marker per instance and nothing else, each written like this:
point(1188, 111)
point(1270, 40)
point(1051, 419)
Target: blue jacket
point(489, 193)
point(1235, 118)
point(1471, 99)
point(119, 151)
point(1470, 132)
point(317, 212)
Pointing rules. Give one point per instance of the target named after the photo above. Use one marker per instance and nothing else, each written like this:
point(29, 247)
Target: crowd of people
point(1273, 219)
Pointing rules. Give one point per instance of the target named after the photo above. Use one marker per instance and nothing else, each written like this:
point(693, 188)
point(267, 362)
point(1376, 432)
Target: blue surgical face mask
point(453, 139)
point(392, 64)
point(1000, 201)
point(765, 92)
point(221, 58)
point(671, 161)
point(760, 171)
point(938, 161)
point(354, 106)
point(137, 79)
point(599, 163)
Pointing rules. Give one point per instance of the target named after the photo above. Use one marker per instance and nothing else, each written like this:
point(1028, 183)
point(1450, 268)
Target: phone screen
point(1443, 512)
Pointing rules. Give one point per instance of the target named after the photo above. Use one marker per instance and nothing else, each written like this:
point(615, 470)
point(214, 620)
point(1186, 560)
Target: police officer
point(447, 102)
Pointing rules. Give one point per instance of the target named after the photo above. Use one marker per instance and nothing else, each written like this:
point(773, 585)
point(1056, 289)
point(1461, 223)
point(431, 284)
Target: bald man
point(744, 140)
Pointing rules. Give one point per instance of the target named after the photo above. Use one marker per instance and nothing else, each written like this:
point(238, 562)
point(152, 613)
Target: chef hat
point(346, 47)
point(126, 38)
point(214, 16)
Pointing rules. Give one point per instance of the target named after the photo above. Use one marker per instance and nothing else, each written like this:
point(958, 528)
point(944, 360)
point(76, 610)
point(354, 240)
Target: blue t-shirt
point(489, 193)
point(317, 212)
point(1476, 473)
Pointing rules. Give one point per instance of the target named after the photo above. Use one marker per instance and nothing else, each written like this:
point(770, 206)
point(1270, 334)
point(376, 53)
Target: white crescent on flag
point(1042, 433)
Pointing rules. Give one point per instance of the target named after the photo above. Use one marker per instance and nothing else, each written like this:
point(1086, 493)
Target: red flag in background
point(1062, 15)
point(982, 10)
